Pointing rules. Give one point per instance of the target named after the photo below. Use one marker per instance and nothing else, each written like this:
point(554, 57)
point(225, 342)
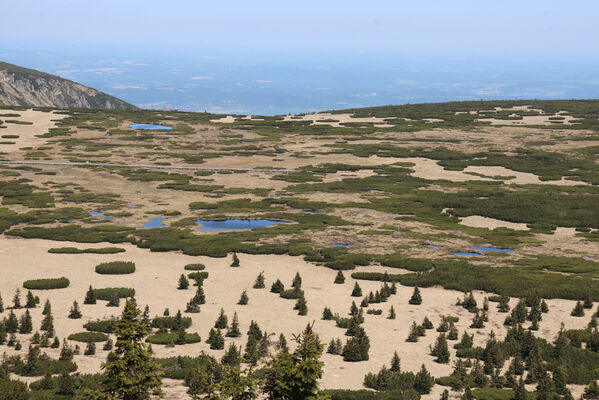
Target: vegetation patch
point(116, 268)
point(46, 284)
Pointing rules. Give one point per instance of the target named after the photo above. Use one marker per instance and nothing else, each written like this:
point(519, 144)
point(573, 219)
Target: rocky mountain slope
point(27, 87)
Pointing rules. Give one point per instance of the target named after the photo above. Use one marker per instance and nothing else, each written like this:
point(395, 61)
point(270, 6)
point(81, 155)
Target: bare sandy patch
point(42, 122)
point(229, 119)
point(155, 283)
point(477, 221)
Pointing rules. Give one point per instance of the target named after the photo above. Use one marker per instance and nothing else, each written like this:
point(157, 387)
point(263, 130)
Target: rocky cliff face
point(30, 88)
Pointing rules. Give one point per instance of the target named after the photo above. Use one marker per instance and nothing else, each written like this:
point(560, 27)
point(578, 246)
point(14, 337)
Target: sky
point(461, 26)
point(289, 56)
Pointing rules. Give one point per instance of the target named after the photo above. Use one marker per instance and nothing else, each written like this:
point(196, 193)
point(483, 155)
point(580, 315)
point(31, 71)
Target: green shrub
point(108, 293)
point(198, 275)
point(88, 337)
point(74, 250)
point(46, 284)
point(105, 325)
point(168, 338)
point(170, 322)
point(195, 267)
point(116, 268)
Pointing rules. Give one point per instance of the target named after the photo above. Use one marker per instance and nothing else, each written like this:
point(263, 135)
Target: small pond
point(341, 245)
point(436, 246)
point(234, 224)
point(96, 213)
point(155, 223)
point(466, 253)
point(150, 126)
point(496, 249)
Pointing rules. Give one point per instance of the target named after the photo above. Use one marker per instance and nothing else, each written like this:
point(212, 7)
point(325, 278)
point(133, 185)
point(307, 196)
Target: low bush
point(116, 268)
point(105, 326)
point(46, 284)
point(109, 293)
point(195, 267)
point(87, 337)
point(170, 322)
point(74, 250)
point(340, 394)
point(198, 275)
point(168, 338)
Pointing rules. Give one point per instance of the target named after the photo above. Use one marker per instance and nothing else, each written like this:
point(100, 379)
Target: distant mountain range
point(30, 88)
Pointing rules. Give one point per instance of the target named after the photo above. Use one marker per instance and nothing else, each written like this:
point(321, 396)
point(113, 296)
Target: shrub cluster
point(46, 284)
point(116, 268)
point(88, 337)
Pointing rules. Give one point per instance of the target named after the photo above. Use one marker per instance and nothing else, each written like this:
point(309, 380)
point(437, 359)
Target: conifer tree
point(578, 310)
point(544, 307)
point(108, 345)
point(30, 300)
point(427, 324)
point(48, 324)
point(365, 303)
point(395, 363)
point(503, 305)
point(423, 381)
point(65, 385)
point(441, 351)
point(413, 336)
point(301, 306)
point(12, 323)
point(1, 305)
point(297, 281)
point(232, 356)
point(90, 349)
point(183, 282)
point(222, 321)
point(16, 300)
point(114, 301)
point(465, 343)
point(391, 313)
point(259, 283)
point(453, 332)
point(282, 346)
point(75, 312)
point(357, 347)
point(90, 296)
point(3, 334)
point(47, 308)
point(216, 339)
point(55, 343)
point(26, 323)
point(277, 287)
point(235, 262)
point(416, 298)
point(327, 314)
point(234, 328)
point(295, 375)
point(357, 291)
point(130, 372)
point(244, 299)
point(340, 278)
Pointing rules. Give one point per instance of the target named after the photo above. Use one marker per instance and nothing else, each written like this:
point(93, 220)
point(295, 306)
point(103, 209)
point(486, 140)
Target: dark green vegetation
point(74, 250)
point(46, 284)
point(116, 268)
point(87, 337)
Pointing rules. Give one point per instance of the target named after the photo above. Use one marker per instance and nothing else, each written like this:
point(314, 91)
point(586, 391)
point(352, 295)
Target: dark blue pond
point(436, 246)
point(96, 213)
point(341, 245)
point(496, 249)
point(466, 253)
point(234, 224)
point(155, 223)
point(149, 126)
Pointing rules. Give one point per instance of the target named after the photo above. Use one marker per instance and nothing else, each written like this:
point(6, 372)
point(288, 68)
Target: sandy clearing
point(430, 169)
point(477, 221)
point(42, 122)
point(530, 120)
point(336, 120)
point(229, 119)
point(155, 282)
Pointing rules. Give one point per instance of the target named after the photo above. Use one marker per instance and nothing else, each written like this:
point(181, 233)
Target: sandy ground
point(155, 283)
point(337, 119)
point(42, 121)
point(430, 169)
point(476, 221)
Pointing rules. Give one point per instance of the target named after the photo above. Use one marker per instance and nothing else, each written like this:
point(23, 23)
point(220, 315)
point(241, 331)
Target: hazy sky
point(514, 28)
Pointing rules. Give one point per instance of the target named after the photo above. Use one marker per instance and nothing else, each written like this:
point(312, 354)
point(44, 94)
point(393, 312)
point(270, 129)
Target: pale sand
point(476, 221)
point(530, 120)
point(42, 122)
point(229, 119)
point(155, 283)
point(336, 120)
point(430, 169)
